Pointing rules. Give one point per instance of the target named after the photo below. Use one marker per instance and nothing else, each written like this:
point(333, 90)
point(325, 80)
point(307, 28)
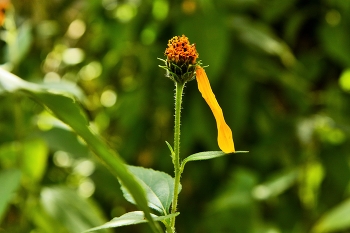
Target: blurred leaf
point(159, 188)
point(44, 220)
point(233, 209)
point(260, 36)
point(276, 185)
point(131, 218)
point(69, 209)
point(335, 219)
point(293, 26)
point(19, 43)
point(242, 3)
point(10, 181)
point(65, 140)
point(344, 80)
point(67, 110)
point(311, 176)
point(275, 9)
point(67, 87)
point(237, 192)
point(334, 41)
point(34, 159)
point(211, 40)
point(8, 154)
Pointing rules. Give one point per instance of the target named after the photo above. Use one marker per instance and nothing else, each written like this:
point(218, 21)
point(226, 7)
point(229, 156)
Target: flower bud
point(181, 59)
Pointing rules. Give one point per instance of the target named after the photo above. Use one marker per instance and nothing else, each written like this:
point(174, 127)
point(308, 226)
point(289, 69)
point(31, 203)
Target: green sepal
point(180, 74)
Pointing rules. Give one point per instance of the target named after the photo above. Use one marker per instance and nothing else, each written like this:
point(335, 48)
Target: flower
point(181, 59)
point(182, 66)
point(225, 140)
point(181, 51)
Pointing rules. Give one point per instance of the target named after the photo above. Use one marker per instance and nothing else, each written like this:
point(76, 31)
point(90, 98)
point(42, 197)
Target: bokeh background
point(280, 71)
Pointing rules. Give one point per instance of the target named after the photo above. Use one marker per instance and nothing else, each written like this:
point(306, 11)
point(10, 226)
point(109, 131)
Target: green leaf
point(65, 108)
point(10, 181)
point(159, 188)
point(205, 37)
point(236, 193)
point(9, 154)
point(69, 209)
point(278, 184)
point(334, 41)
point(34, 159)
point(336, 219)
point(64, 139)
point(170, 148)
point(206, 155)
point(131, 218)
point(19, 44)
point(260, 36)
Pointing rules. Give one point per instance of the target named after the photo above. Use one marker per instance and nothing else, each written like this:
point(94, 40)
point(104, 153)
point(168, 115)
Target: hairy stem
point(176, 156)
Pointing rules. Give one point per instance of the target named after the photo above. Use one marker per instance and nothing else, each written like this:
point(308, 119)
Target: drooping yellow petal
point(225, 140)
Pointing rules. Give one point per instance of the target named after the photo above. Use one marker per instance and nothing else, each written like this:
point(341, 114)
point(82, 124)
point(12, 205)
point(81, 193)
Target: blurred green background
point(280, 71)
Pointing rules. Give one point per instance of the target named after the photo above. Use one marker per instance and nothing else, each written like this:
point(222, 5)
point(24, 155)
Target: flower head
point(181, 51)
point(181, 59)
point(181, 66)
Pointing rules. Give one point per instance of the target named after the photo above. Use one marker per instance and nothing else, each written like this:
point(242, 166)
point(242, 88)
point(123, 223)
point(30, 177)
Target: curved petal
point(225, 140)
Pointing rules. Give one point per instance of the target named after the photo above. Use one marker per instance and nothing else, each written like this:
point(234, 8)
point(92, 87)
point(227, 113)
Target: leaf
point(65, 108)
point(19, 46)
point(159, 188)
point(69, 209)
point(131, 218)
point(206, 37)
point(276, 185)
point(336, 219)
point(260, 36)
point(334, 42)
point(236, 193)
point(34, 159)
point(9, 154)
point(206, 155)
point(170, 148)
point(65, 140)
point(42, 220)
point(10, 181)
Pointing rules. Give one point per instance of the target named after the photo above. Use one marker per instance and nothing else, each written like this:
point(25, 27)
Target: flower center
point(180, 51)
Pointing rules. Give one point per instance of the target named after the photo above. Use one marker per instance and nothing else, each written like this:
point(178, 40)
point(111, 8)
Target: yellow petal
point(225, 140)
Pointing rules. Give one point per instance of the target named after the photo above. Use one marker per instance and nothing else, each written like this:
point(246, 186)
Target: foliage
point(280, 70)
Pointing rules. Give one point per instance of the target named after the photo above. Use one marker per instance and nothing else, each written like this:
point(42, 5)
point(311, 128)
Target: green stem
point(176, 156)
point(168, 229)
